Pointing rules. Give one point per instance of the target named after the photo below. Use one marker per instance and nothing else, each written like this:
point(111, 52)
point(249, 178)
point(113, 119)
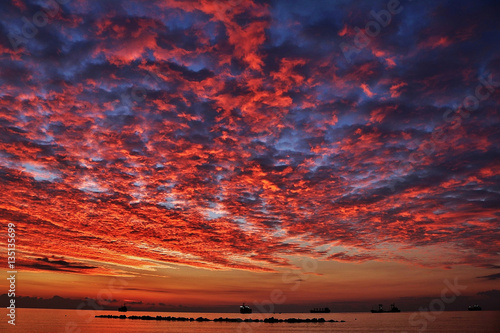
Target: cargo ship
point(245, 309)
point(474, 307)
point(381, 309)
point(122, 309)
point(320, 310)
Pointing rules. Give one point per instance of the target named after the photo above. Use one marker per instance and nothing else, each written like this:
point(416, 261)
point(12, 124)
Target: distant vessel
point(320, 310)
point(245, 309)
point(381, 310)
point(474, 307)
point(122, 309)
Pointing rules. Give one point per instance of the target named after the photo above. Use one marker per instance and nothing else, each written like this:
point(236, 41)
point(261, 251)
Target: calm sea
point(46, 320)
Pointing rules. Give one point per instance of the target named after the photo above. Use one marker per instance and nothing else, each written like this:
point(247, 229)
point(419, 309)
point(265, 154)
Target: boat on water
point(381, 309)
point(474, 307)
point(320, 310)
point(122, 309)
point(245, 309)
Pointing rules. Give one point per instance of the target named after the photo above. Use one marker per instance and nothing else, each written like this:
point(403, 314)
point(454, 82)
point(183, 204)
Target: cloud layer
point(236, 134)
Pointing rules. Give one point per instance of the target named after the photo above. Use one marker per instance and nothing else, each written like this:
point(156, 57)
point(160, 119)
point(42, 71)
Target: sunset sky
point(207, 153)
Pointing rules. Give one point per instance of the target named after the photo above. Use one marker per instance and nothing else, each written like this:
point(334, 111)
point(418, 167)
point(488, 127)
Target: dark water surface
point(47, 320)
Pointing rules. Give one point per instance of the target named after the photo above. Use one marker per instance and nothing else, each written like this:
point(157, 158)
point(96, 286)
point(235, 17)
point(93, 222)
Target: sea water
point(81, 321)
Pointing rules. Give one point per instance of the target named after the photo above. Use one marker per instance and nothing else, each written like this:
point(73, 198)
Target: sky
point(200, 154)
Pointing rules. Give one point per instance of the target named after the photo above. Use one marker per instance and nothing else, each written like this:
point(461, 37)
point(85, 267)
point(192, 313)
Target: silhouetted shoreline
point(233, 320)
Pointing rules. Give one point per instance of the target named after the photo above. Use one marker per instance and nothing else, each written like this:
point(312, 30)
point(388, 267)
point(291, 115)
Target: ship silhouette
point(474, 307)
point(122, 309)
point(320, 310)
point(245, 309)
point(381, 309)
